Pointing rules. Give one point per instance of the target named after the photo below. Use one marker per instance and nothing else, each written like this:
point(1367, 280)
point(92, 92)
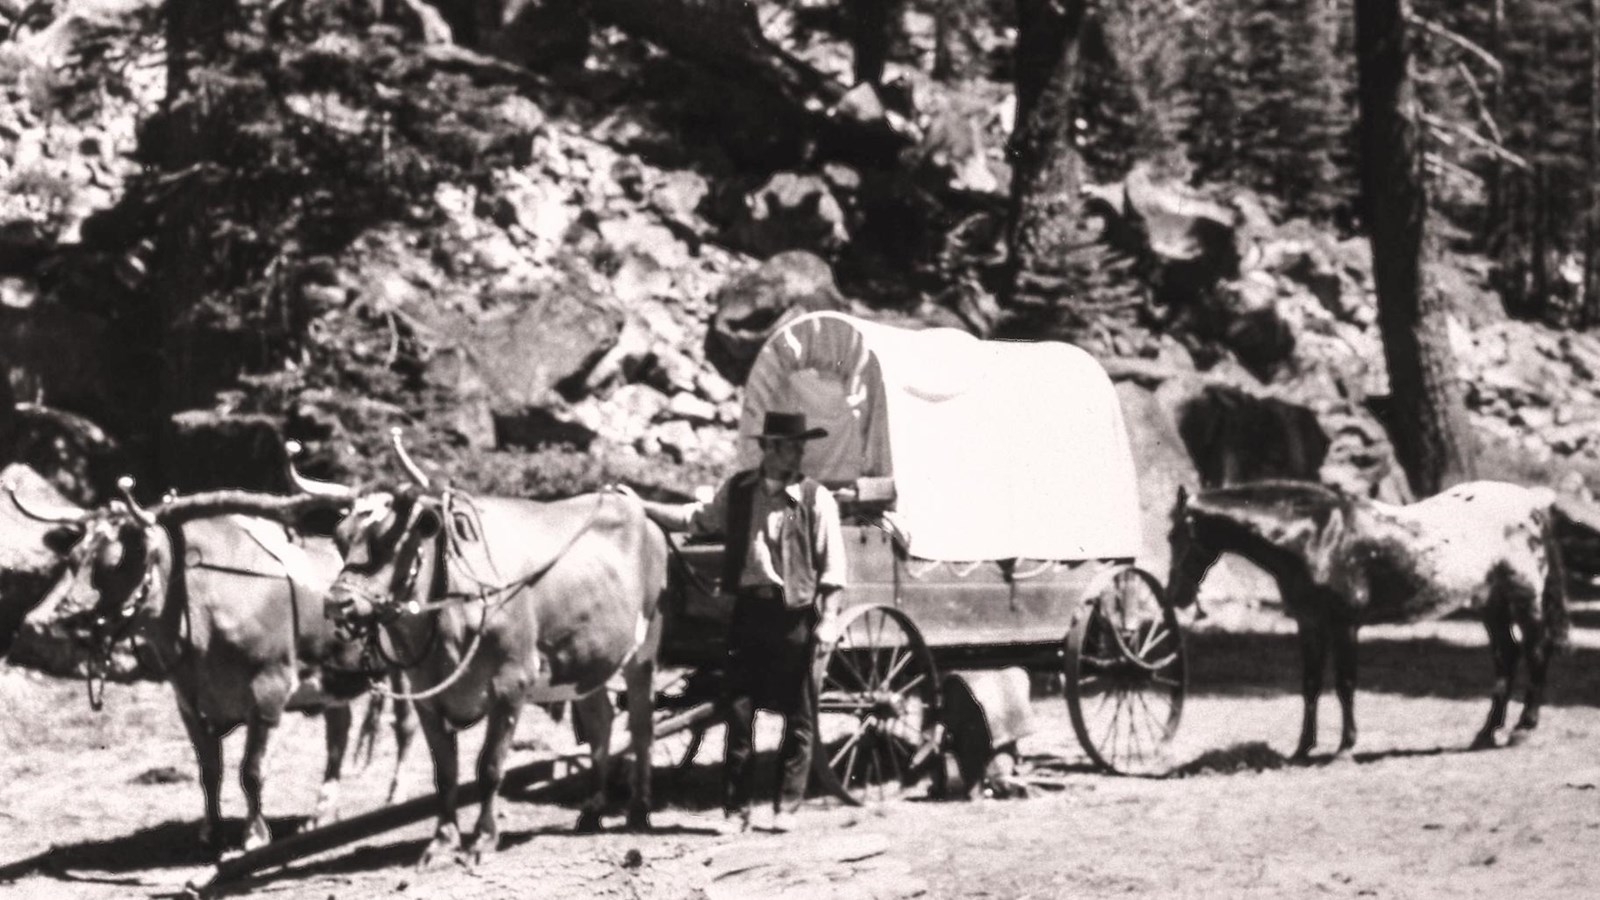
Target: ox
point(217, 600)
point(491, 602)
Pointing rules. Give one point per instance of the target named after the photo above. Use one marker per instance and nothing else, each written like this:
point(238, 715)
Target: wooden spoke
point(1125, 675)
point(877, 705)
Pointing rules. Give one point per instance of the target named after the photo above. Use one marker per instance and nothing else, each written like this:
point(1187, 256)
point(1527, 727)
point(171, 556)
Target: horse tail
point(1558, 624)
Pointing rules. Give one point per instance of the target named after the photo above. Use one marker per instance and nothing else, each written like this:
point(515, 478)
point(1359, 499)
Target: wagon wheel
point(877, 705)
point(1125, 675)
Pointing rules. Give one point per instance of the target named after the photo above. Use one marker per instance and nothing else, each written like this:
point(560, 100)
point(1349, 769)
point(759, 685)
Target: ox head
point(391, 543)
point(119, 558)
point(114, 558)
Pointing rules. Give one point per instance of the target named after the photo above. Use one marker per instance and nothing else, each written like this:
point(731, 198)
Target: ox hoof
point(1484, 741)
point(257, 836)
point(588, 822)
point(1520, 736)
point(444, 846)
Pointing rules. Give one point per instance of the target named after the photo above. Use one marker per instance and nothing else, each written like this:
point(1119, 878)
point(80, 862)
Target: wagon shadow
point(169, 845)
point(1254, 664)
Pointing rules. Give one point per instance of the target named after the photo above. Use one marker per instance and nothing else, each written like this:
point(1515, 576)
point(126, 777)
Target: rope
point(450, 551)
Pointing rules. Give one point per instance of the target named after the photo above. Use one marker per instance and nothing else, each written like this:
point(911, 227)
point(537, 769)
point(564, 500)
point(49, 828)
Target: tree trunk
point(1590, 311)
point(1494, 187)
point(869, 38)
point(195, 31)
point(1047, 171)
point(1429, 421)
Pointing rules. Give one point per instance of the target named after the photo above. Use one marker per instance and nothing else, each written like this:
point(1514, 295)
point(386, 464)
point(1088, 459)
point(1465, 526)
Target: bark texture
point(1427, 412)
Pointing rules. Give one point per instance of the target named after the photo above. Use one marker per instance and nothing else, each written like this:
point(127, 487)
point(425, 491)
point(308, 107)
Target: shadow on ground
point(164, 846)
point(1258, 664)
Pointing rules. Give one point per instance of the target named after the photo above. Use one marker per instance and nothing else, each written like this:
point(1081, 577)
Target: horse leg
point(405, 732)
point(336, 722)
point(258, 732)
point(641, 724)
point(497, 736)
point(1536, 646)
point(208, 756)
point(1497, 620)
point(1313, 657)
point(594, 712)
point(442, 747)
point(1344, 681)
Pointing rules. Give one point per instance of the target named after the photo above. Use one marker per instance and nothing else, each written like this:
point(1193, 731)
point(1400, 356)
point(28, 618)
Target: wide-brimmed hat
point(786, 426)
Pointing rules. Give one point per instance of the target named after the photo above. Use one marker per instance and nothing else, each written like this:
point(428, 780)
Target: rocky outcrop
point(750, 307)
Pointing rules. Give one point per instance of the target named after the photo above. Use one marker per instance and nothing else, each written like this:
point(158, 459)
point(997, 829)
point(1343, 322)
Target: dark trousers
point(770, 650)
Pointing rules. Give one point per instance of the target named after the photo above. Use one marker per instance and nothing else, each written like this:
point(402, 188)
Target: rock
point(495, 252)
point(791, 211)
point(545, 345)
point(642, 237)
point(17, 293)
point(677, 197)
point(28, 565)
point(625, 416)
point(471, 411)
point(677, 439)
point(1569, 439)
point(692, 409)
point(1180, 226)
point(749, 307)
point(671, 372)
point(625, 360)
point(713, 387)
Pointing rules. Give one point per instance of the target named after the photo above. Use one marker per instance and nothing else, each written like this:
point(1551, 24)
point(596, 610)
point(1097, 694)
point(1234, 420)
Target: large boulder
point(28, 565)
point(791, 211)
point(751, 306)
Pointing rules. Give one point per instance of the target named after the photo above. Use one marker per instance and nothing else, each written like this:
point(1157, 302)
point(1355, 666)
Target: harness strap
point(448, 550)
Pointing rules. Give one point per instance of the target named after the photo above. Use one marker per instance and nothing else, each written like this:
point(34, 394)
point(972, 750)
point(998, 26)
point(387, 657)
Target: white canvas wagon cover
point(997, 449)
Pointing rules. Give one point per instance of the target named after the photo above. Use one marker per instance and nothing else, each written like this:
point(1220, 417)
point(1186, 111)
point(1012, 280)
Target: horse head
point(1191, 556)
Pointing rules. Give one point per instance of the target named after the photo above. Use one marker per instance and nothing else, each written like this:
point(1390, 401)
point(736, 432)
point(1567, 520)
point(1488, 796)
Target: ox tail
point(1558, 623)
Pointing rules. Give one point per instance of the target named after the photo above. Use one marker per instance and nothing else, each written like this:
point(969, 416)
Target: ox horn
point(125, 488)
point(406, 462)
point(55, 515)
point(310, 486)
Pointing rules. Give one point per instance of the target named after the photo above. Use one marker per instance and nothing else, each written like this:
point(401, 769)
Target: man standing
point(784, 564)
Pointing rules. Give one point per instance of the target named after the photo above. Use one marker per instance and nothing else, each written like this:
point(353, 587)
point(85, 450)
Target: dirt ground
point(105, 805)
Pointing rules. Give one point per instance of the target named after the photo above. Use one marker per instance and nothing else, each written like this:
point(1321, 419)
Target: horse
point(488, 603)
point(1342, 561)
point(227, 609)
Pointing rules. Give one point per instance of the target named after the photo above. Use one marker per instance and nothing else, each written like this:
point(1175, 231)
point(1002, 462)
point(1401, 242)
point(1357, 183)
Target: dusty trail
point(1411, 815)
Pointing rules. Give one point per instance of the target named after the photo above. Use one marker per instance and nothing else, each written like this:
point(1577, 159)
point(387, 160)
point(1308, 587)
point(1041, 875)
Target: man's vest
point(798, 565)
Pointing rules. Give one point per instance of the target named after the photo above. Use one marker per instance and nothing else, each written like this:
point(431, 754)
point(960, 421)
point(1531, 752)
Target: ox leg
point(1536, 647)
point(405, 732)
point(336, 724)
point(1497, 619)
point(491, 775)
point(208, 756)
point(1344, 681)
point(257, 734)
point(1313, 659)
point(367, 737)
point(595, 711)
point(442, 746)
point(641, 724)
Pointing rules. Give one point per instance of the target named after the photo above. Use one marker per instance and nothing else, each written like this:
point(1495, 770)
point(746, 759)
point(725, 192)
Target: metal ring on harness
point(483, 595)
